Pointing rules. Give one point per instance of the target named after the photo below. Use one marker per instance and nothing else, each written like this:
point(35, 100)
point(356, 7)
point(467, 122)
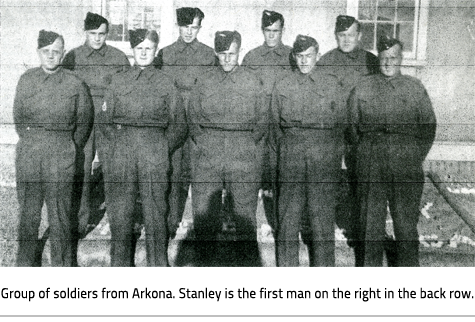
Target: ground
point(445, 239)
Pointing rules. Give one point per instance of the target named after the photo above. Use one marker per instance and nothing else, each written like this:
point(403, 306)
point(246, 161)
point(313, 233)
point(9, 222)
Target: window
point(124, 15)
point(402, 19)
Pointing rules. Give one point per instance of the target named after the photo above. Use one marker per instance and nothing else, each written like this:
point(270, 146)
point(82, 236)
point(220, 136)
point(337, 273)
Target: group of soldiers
point(283, 121)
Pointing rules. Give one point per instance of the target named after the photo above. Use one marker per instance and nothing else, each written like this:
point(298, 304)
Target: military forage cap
point(343, 23)
point(224, 39)
point(386, 42)
point(137, 36)
point(186, 15)
point(302, 43)
point(46, 38)
point(94, 21)
point(269, 17)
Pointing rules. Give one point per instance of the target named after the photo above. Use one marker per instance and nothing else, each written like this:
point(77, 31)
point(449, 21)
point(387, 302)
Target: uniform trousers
point(45, 168)
point(137, 164)
point(309, 165)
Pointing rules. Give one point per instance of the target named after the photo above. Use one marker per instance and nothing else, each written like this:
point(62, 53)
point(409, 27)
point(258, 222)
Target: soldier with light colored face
point(392, 128)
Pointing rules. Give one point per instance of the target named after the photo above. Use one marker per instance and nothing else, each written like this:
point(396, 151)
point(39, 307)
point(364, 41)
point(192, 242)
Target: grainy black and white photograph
point(226, 133)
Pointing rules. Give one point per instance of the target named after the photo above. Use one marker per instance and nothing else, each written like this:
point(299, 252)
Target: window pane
point(406, 10)
point(405, 33)
point(387, 10)
point(385, 29)
point(116, 11)
point(367, 38)
point(367, 10)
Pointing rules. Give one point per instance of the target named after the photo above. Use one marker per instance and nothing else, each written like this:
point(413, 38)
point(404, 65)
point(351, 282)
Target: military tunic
point(228, 120)
point(53, 115)
point(349, 68)
point(95, 68)
point(393, 128)
point(269, 64)
point(143, 118)
point(184, 63)
point(309, 125)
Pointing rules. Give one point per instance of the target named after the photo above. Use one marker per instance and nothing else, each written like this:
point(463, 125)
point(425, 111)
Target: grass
point(448, 245)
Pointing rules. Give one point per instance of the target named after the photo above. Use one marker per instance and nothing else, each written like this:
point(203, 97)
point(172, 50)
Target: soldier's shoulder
point(249, 75)
point(208, 76)
point(30, 72)
point(113, 51)
point(286, 81)
point(120, 77)
point(412, 80)
point(253, 53)
point(328, 57)
point(205, 48)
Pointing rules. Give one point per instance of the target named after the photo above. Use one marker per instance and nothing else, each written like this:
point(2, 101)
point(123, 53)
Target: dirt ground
point(445, 239)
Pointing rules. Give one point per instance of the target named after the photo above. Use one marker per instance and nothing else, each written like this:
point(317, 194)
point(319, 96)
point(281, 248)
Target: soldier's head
point(189, 22)
point(347, 33)
point(272, 25)
point(144, 44)
point(226, 46)
point(390, 56)
point(50, 50)
point(96, 28)
point(305, 52)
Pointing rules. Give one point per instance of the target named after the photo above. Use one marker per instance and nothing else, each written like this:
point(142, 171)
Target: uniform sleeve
point(177, 128)
point(353, 119)
point(84, 116)
point(427, 123)
point(245, 61)
point(69, 61)
point(18, 118)
point(262, 114)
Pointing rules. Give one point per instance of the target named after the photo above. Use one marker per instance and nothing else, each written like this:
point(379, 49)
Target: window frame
point(418, 55)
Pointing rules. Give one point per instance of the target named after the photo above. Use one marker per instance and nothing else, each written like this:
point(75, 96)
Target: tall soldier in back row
point(269, 62)
point(94, 62)
point(349, 62)
point(184, 61)
point(392, 128)
point(53, 117)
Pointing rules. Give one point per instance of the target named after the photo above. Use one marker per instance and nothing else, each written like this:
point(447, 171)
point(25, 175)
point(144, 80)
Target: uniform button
point(119, 126)
point(28, 128)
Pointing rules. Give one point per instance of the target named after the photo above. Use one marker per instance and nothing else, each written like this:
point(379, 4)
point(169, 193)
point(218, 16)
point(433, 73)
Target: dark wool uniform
point(143, 119)
point(95, 67)
point(184, 62)
point(53, 115)
point(228, 120)
point(269, 64)
point(310, 128)
point(348, 68)
point(393, 128)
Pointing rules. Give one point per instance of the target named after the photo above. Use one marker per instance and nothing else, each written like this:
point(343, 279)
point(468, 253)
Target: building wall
point(448, 72)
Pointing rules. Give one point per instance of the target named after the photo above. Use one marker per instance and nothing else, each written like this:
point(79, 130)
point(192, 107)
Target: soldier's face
point(95, 38)
point(229, 59)
point(348, 40)
point(390, 61)
point(190, 32)
point(273, 34)
point(306, 60)
point(144, 53)
point(51, 55)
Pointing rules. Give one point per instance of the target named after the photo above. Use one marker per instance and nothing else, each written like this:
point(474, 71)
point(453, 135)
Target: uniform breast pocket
point(242, 107)
point(64, 110)
point(212, 104)
point(124, 103)
point(156, 107)
point(290, 112)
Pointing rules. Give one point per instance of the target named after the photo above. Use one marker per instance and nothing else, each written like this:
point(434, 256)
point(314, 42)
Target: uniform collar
point(138, 72)
point(352, 54)
point(303, 78)
point(279, 49)
point(231, 75)
point(56, 77)
point(181, 45)
point(89, 51)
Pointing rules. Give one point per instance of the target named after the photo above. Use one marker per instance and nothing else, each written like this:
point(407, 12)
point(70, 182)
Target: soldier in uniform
point(392, 127)
point(184, 61)
point(94, 62)
point(53, 116)
point(309, 125)
point(142, 119)
point(349, 63)
point(269, 62)
point(228, 121)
